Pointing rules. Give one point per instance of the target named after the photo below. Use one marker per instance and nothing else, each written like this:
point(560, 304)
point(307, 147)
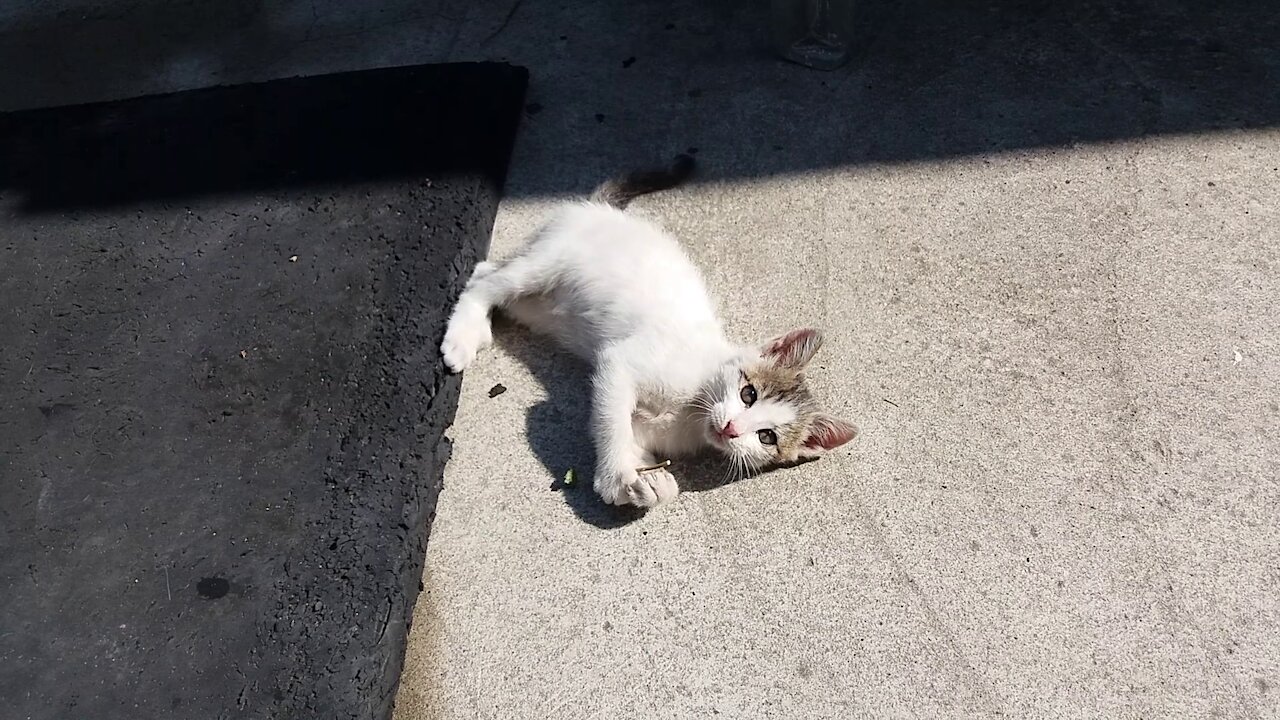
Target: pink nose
point(729, 431)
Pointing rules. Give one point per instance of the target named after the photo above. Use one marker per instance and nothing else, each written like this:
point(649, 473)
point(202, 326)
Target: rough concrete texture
point(221, 426)
point(1072, 515)
point(1063, 504)
point(1042, 240)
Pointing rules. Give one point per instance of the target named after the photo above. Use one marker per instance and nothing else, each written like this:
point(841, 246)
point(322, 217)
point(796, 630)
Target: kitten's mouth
point(720, 442)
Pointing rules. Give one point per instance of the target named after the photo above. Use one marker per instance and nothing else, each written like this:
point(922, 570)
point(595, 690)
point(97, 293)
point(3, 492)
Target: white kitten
point(618, 291)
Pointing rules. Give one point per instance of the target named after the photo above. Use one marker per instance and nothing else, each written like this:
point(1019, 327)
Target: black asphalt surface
point(221, 403)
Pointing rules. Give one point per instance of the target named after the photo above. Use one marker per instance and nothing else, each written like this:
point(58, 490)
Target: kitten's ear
point(793, 350)
point(826, 433)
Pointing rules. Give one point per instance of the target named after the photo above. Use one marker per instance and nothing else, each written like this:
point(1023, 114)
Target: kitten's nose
point(729, 431)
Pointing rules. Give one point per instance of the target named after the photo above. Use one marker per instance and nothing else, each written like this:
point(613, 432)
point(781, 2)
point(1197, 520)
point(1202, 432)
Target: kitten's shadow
point(558, 429)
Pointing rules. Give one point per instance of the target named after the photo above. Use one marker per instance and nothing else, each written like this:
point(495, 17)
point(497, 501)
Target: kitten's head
point(759, 408)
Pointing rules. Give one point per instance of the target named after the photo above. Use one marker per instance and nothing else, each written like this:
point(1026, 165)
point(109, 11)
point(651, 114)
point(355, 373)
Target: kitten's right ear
point(793, 350)
point(826, 433)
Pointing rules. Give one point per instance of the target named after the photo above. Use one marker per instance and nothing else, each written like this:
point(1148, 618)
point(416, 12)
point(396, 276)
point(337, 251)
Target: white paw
point(483, 268)
point(649, 489)
point(469, 332)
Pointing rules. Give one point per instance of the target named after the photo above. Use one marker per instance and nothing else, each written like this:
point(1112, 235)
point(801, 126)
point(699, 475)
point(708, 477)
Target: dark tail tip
point(682, 167)
point(619, 193)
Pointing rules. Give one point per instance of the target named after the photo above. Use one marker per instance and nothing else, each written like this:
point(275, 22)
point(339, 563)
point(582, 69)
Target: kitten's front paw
point(649, 489)
point(653, 488)
point(469, 332)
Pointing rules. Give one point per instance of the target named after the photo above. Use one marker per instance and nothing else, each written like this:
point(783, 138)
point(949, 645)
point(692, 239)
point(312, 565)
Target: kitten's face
point(759, 410)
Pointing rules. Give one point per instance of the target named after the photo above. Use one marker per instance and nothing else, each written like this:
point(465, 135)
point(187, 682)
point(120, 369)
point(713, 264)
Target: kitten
point(621, 293)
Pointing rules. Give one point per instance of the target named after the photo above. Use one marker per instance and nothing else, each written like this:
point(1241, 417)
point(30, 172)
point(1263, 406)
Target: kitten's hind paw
point(469, 332)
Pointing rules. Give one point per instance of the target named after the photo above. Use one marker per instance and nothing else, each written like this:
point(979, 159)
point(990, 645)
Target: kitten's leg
point(483, 268)
point(490, 285)
point(617, 452)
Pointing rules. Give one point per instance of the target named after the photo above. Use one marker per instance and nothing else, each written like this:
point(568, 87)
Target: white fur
point(620, 292)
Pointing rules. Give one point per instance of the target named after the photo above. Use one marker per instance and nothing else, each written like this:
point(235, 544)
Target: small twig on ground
point(890, 402)
point(650, 468)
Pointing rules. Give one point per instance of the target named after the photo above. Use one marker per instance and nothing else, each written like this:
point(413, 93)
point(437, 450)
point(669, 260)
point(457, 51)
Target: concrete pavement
point(1063, 503)
point(1048, 266)
point(1042, 239)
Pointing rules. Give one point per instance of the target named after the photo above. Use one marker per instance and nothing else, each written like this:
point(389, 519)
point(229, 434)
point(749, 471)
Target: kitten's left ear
point(826, 433)
point(795, 349)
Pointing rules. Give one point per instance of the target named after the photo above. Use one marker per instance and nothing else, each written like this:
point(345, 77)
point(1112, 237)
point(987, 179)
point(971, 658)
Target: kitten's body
point(621, 293)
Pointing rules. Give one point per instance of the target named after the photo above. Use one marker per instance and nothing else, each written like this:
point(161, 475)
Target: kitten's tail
point(619, 192)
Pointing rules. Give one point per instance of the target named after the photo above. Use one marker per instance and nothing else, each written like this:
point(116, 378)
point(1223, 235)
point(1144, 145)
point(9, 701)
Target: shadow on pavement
point(619, 83)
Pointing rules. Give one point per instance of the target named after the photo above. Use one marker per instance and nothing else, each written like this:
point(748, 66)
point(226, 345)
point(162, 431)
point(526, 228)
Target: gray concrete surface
point(1064, 502)
point(1043, 243)
point(1057, 336)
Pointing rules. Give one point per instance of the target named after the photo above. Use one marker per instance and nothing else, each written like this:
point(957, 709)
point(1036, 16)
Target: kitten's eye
point(748, 395)
point(767, 437)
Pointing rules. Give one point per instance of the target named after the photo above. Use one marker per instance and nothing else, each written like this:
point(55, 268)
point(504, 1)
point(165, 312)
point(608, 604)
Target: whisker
point(730, 471)
point(701, 407)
